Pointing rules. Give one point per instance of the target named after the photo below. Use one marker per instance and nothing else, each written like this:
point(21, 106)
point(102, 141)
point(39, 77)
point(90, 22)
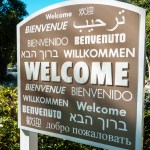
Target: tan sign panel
point(79, 73)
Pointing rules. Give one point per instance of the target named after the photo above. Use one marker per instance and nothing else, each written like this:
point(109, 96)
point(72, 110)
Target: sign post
point(28, 140)
point(81, 73)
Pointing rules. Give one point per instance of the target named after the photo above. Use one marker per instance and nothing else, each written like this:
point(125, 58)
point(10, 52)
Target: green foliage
point(11, 13)
point(147, 120)
point(146, 5)
point(50, 143)
point(9, 132)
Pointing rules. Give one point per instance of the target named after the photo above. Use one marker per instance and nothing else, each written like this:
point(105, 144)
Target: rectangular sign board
point(81, 73)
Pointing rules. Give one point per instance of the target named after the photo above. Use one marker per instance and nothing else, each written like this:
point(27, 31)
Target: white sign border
point(141, 64)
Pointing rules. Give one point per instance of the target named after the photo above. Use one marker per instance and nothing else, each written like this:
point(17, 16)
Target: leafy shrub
point(147, 121)
point(9, 132)
point(50, 143)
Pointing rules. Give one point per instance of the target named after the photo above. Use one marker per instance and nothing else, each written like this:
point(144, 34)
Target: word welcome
point(98, 73)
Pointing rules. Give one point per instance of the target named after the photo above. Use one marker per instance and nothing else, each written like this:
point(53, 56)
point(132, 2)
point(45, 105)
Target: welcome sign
point(81, 73)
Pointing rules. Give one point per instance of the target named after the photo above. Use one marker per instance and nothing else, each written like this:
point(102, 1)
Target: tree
point(11, 13)
point(148, 42)
point(146, 4)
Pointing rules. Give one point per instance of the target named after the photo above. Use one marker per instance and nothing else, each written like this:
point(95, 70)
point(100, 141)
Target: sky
point(35, 5)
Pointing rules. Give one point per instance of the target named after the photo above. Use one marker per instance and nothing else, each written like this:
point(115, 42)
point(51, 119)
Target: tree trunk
point(148, 63)
point(3, 68)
